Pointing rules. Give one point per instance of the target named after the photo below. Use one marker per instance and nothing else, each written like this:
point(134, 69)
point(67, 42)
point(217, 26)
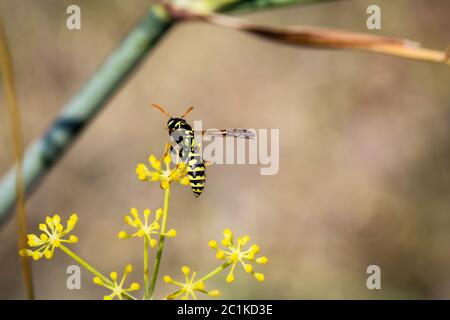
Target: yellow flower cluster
point(116, 288)
point(237, 254)
point(165, 175)
point(51, 238)
point(145, 228)
point(189, 287)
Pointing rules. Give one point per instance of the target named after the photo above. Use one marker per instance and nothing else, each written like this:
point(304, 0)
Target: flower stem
point(161, 242)
point(214, 272)
point(91, 269)
point(146, 287)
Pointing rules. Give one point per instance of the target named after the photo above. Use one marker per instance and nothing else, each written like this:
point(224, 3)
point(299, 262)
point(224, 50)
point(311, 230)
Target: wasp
point(189, 152)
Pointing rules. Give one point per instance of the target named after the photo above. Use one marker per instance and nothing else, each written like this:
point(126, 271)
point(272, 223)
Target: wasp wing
point(237, 133)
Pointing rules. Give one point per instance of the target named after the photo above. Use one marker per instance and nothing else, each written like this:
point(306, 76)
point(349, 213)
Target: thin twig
point(318, 37)
point(16, 137)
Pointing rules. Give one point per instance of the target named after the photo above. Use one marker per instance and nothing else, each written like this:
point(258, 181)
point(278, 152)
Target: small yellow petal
point(156, 165)
point(153, 243)
point(226, 242)
point(159, 213)
point(140, 233)
point(220, 255)
point(244, 240)
point(248, 268)
point(260, 277)
point(214, 293)
point(48, 254)
point(164, 184)
point(262, 260)
point(134, 286)
point(184, 181)
point(167, 160)
point(123, 235)
point(134, 213)
point(25, 253)
point(227, 233)
point(113, 275)
point(155, 175)
point(230, 278)
point(171, 233)
point(73, 239)
point(128, 269)
point(254, 248)
point(98, 281)
point(129, 220)
point(56, 219)
point(213, 244)
point(167, 279)
point(185, 270)
point(147, 213)
point(37, 255)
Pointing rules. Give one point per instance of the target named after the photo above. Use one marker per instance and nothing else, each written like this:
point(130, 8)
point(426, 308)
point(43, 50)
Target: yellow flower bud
point(260, 277)
point(214, 293)
point(159, 213)
point(134, 286)
point(37, 255)
point(153, 243)
point(254, 248)
point(97, 281)
point(262, 260)
point(48, 254)
point(200, 286)
point(164, 184)
point(155, 175)
point(220, 255)
point(230, 278)
point(167, 279)
point(113, 275)
point(128, 268)
point(56, 219)
point(147, 213)
point(185, 270)
point(248, 268)
point(213, 244)
point(171, 233)
point(123, 235)
point(227, 233)
point(134, 213)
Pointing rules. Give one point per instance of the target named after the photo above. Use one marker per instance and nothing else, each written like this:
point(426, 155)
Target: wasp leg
point(167, 148)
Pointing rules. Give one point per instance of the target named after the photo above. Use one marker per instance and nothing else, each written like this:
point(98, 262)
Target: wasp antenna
point(187, 111)
point(157, 106)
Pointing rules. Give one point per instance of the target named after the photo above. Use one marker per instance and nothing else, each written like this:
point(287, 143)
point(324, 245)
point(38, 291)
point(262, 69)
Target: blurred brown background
point(364, 150)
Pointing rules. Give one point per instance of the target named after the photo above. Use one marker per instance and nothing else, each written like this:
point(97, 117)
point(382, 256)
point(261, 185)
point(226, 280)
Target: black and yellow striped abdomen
point(196, 173)
point(183, 135)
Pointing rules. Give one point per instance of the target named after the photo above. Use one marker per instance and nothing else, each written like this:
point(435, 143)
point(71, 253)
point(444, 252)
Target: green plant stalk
point(146, 283)
point(41, 156)
point(161, 242)
point(91, 269)
point(252, 5)
point(214, 272)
